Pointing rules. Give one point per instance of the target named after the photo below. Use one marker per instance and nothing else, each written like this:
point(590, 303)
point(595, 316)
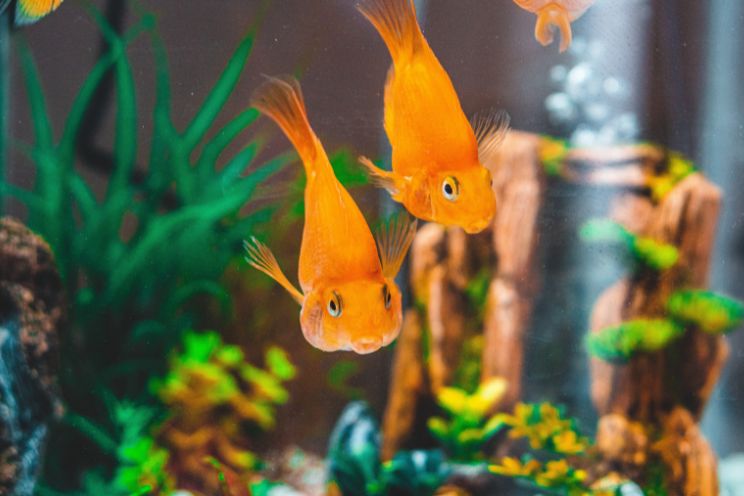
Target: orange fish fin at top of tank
point(394, 238)
point(397, 24)
point(259, 256)
point(550, 16)
point(281, 99)
point(381, 178)
point(30, 11)
point(490, 129)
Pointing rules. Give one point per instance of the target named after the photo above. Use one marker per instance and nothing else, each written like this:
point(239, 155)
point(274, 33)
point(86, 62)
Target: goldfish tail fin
point(280, 98)
point(396, 22)
point(380, 178)
point(260, 257)
point(394, 238)
point(490, 128)
point(551, 16)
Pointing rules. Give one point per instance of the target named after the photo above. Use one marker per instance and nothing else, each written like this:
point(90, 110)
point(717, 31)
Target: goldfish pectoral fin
point(381, 178)
point(394, 238)
point(553, 16)
point(260, 256)
point(490, 128)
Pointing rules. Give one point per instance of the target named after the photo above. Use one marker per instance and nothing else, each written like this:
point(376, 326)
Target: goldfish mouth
point(476, 227)
point(364, 346)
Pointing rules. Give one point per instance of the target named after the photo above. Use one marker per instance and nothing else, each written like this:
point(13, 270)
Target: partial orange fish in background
point(349, 297)
point(438, 156)
point(30, 11)
point(555, 14)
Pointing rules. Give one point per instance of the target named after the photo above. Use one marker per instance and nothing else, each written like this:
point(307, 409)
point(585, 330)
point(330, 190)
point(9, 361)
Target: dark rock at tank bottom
point(31, 311)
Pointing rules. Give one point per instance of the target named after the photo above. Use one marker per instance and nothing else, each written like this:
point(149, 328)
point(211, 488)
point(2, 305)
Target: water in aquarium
point(371, 248)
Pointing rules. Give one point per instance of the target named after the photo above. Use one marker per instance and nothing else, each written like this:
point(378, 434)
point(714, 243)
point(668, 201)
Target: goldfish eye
point(450, 188)
point(386, 296)
point(334, 305)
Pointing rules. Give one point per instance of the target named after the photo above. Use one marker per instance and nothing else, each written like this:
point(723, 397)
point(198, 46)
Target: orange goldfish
point(555, 13)
point(349, 298)
point(438, 156)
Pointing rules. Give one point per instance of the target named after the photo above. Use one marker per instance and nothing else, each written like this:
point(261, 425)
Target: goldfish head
point(461, 197)
point(361, 316)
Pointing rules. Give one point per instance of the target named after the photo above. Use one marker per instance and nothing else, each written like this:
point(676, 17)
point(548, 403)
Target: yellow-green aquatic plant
point(555, 443)
point(471, 423)
point(216, 401)
point(644, 251)
point(678, 167)
point(686, 310)
point(552, 154)
point(545, 428)
point(707, 311)
point(621, 342)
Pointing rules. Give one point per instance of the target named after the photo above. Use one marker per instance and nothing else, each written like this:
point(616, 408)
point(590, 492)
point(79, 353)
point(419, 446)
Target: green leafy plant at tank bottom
point(470, 424)
point(645, 252)
point(134, 257)
point(217, 401)
point(554, 441)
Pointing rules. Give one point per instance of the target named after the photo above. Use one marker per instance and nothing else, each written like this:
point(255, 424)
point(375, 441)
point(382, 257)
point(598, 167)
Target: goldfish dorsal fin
point(490, 128)
point(280, 98)
point(259, 256)
point(396, 22)
point(394, 238)
point(380, 178)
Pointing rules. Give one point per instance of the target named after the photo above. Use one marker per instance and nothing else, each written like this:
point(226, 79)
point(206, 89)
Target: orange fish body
point(555, 13)
point(437, 171)
point(349, 298)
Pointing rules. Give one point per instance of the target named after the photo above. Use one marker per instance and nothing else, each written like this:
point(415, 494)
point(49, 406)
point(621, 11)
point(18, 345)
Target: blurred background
point(654, 70)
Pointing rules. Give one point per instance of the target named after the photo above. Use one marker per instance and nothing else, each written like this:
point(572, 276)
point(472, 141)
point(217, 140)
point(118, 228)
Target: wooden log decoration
point(443, 263)
point(667, 390)
point(519, 181)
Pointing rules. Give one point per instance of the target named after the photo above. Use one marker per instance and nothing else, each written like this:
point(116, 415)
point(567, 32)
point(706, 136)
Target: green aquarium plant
point(678, 167)
point(687, 310)
point(216, 402)
point(623, 341)
point(557, 451)
point(545, 427)
point(709, 312)
point(471, 423)
point(643, 251)
point(159, 235)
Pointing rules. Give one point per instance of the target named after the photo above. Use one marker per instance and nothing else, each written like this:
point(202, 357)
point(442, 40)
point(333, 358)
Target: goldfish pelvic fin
point(380, 178)
point(280, 98)
point(396, 22)
point(259, 256)
point(394, 238)
point(490, 128)
point(549, 16)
